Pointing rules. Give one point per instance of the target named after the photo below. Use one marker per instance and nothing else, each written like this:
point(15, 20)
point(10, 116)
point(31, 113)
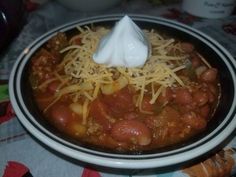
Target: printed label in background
point(209, 8)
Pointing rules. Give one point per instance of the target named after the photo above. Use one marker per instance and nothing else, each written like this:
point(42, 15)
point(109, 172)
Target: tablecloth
point(17, 146)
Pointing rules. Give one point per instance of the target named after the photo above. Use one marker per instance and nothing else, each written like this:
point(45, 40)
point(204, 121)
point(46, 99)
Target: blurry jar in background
point(12, 18)
point(209, 8)
point(89, 5)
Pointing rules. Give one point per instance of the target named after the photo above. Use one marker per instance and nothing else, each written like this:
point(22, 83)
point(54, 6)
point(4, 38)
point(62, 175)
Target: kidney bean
point(131, 131)
point(131, 115)
point(100, 113)
point(194, 120)
point(182, 96)
point(209, 75)
point(123, 101)
point(200, 97)
point(212, 88)
point(106, 139)
point(187, 47)
point(61, 115)
point(53, 86)
point(44, 99)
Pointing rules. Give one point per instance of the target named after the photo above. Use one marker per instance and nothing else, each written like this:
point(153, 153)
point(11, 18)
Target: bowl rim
point(121, 161)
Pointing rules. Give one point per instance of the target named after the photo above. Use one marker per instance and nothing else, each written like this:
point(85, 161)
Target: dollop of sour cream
point(125, 45)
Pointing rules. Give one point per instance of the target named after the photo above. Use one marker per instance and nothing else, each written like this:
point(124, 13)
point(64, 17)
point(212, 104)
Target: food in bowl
point(218, 128)
point(168, 100)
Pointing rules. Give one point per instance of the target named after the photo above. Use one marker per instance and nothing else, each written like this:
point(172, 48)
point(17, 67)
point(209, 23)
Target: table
point(18, 146)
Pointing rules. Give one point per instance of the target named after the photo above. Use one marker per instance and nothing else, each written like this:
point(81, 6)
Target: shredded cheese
point(85, 112)
point(79, 70)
